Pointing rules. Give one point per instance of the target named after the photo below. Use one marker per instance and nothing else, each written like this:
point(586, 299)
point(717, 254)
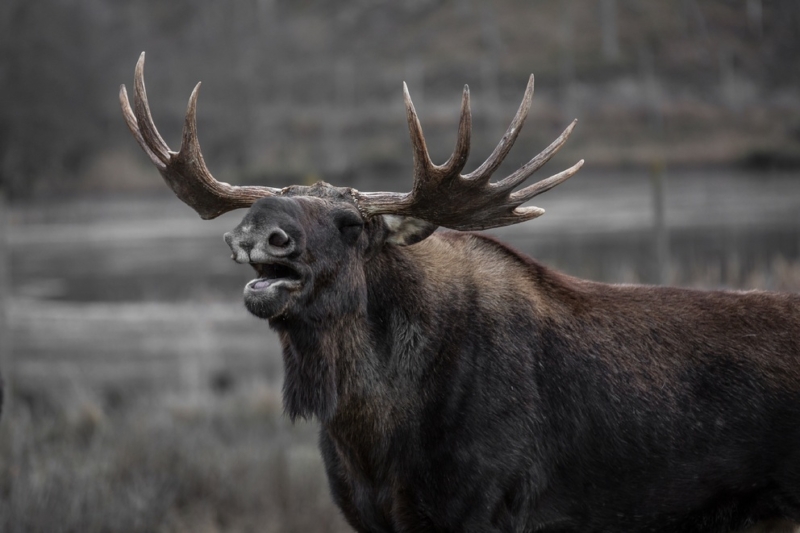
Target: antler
point(440, 195)
point(443, 196)
point(184, 171)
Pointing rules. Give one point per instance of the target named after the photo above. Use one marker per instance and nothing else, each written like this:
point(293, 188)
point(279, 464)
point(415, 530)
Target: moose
point(462, 386)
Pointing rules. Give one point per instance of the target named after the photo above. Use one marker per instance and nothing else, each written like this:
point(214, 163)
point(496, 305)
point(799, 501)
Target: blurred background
point(141, 396)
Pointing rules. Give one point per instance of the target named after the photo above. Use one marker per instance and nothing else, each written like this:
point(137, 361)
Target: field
point(145, 398)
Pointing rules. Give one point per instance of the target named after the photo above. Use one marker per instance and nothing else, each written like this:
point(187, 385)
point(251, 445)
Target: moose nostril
point(279, 239)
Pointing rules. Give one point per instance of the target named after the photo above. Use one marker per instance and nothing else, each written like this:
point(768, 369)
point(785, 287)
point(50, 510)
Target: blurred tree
point(51, 119)
point(273, 70)
point(782, 26)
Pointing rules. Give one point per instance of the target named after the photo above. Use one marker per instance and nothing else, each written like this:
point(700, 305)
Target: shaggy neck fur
point(337, 361)
point(315, 356)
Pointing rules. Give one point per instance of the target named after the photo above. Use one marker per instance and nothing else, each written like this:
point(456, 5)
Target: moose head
point(306, 244)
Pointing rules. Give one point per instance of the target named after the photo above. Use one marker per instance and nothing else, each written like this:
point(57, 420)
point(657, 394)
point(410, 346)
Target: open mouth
point(270, 274)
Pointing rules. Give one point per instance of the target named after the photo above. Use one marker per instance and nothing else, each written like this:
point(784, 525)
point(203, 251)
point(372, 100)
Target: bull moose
point(462, 386)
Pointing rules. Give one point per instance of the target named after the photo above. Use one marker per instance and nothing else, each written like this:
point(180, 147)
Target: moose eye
point(349, 224)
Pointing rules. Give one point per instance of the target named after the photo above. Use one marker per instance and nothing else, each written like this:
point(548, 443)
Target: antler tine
point(189, 140)
point(526, 170)
point(143, 116)
point(133, 125)
point(458, 159)
point(424, 168)
point(422, 161)
point(184, 172)
point(471, 202)
point(485, 171)
point(544, 185)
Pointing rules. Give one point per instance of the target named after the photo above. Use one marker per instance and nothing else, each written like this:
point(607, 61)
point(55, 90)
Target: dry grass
point(231, 464)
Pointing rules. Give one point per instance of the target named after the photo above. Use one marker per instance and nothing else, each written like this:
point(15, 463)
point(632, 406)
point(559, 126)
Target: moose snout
point(262, 245)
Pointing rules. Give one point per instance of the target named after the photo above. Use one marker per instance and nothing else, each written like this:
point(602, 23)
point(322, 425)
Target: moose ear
point(405, 231)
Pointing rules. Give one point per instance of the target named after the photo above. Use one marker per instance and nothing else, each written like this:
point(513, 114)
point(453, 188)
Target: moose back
point(462, 386)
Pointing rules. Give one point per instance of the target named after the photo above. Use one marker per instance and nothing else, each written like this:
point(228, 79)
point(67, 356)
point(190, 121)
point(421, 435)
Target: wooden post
point(490, 93)
point(335, 122)
point(608, 24)
point(567, 43)
point(657, 168)
point(6, 351)
point(660, 234)
point(569, 103)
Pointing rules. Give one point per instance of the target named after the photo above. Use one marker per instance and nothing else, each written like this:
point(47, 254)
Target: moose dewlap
point(462, 386)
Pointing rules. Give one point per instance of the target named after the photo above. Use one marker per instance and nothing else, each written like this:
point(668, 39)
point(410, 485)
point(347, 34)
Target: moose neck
point(347, 358)
point(310, 378)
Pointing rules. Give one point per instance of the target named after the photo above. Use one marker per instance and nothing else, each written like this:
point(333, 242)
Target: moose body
point(462, 386)
point(473, 389)
point(506, 397)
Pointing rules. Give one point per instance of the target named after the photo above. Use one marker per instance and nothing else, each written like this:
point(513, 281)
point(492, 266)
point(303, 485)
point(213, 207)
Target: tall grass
point(222, 464)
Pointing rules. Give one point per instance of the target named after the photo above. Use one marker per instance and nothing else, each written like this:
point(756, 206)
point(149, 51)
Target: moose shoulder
point(462, 386)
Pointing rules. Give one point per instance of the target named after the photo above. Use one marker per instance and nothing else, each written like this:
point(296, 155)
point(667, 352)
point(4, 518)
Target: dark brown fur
point(462, 386)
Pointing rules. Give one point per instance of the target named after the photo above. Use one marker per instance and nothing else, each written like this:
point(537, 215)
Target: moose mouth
point(273, 274)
